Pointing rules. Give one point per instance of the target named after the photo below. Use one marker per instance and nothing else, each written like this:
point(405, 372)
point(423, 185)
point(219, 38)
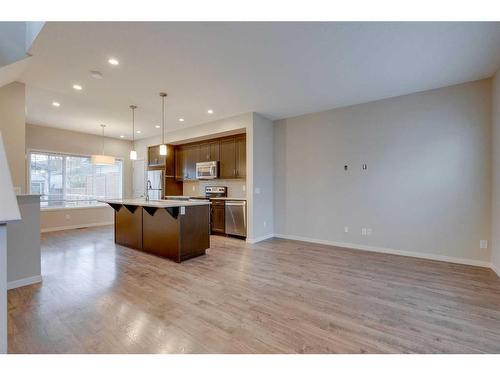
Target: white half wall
point(495, 217)
point(426, 189)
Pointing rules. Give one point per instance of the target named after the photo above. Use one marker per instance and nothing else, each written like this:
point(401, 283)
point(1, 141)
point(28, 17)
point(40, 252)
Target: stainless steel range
point(215, 192)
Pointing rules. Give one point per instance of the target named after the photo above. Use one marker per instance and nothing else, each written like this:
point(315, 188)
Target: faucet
point(148, 188)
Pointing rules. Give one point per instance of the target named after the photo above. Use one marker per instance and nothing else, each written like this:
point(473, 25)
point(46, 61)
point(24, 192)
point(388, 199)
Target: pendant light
point(103, 159)
point(133, 152)
point(163, 146)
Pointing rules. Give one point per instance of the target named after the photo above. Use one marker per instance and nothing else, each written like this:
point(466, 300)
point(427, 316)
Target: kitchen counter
point(173, 229)
point(164, 203)
point(181, 197)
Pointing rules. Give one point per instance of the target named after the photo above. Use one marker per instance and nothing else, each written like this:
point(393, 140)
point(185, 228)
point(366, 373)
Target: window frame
point(30, 151)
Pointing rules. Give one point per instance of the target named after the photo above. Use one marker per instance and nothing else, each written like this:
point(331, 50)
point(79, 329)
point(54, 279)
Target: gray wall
point(427, 187)
point(262, 182)
point(495, 222)
point(23, 244)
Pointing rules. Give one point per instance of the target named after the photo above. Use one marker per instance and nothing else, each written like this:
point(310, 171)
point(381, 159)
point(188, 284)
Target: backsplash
point(235, 188)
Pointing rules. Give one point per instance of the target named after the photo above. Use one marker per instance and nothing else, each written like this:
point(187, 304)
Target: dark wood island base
point(176, 230)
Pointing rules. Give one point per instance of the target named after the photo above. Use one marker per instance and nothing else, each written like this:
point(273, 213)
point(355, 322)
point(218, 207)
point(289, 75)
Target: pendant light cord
point(162, 120)
point(102, 148)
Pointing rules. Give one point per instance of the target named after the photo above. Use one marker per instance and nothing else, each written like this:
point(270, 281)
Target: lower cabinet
point(218, 220)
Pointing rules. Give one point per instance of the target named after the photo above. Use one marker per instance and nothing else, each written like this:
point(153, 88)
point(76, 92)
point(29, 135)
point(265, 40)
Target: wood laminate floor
point(278, 296)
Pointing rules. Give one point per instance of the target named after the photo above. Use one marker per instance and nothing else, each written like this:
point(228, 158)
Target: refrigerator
point(154, 184)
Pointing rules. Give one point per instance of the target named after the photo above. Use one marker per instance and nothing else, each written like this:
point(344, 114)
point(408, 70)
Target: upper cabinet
point(227, 163)
point(230, 152)
point(209, 151)
point(154, 157)
point(233, 157)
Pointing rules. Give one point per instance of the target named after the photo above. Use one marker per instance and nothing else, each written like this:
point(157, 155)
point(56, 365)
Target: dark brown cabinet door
point(154, 157)
point(180, 162)
point(227, 158)
point(192, 157)
point(241, 157)
point(209, 151)
point(218, 222)
point(170, 162)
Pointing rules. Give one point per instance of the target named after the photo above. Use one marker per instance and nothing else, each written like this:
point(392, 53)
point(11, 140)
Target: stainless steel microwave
point(207, 170)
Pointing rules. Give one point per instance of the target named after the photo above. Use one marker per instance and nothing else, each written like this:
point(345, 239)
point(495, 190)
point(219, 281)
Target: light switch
point(257, 190)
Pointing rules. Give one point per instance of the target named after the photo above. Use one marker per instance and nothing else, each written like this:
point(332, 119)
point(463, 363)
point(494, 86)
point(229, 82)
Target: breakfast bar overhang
point(177, 230)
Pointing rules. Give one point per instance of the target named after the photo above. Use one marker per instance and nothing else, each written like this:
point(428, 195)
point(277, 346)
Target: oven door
point(206, 170)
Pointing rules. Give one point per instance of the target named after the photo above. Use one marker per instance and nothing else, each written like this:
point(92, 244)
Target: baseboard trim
point(79, 226)
point(23, 282)
point(495, 269)
point(259, 239)
point(442, 258)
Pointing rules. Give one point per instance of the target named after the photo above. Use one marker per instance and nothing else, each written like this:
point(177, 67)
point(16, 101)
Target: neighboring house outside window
point(72, 180)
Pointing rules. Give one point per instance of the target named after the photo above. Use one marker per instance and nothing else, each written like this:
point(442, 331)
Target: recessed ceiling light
point(181, 119)
point(157, 126)
point(56, 104)
point(138, 132)
point(77, 87)
point(113, 61)
point(122, 136)
point(210, 111)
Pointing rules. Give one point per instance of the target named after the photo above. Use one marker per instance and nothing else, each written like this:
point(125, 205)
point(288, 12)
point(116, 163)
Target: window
point(73, 181)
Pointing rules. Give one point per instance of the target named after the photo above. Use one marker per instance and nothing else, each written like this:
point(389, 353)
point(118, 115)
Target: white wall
point(427, 187)
point(495, 220)
point(12, 126)
point(65, 141)
point(23, 244)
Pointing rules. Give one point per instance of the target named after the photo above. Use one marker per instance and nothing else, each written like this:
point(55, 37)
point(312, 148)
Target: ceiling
point(276, 69)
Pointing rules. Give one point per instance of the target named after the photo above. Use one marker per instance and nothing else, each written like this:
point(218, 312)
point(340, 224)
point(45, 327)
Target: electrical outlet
point(346, 229)
point(363, 231)
point(368, 231)
point(244, 187)
point(194, 188)
point(68, 216)
point(265, 223)
point(257, 190)
point(483, 244)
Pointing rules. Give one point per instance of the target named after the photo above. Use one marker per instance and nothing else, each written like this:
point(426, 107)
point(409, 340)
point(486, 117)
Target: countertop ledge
point(156, 203)
point(174, 197)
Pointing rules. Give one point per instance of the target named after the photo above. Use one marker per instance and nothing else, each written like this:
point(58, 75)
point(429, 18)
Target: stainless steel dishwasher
point(236, 218)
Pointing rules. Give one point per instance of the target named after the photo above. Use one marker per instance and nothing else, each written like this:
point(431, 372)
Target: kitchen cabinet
point(217, 217)
point(233, 157)
point(180, 160)
point(209, 151)
point(154, 157)
point(170, 162)
point(241, 156)
point(227, 158)
point(230, 152)
point(192, 156)
point(186, 158)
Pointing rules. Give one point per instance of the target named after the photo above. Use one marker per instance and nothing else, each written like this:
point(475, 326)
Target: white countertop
point(199, 197)
point(164, 203)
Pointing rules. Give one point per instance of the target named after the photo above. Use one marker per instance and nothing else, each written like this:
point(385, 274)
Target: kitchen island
point(173, 229)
